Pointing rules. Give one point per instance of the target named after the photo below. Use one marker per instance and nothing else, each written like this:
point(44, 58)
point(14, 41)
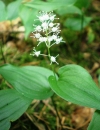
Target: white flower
point(38, 28)
point(44, 39)
point(44, 16)
point(53, 59)
point(54, 29)
point(35, 53)
point(52, 17)
point(58, 40)
point(45, 26)
point(51, 25)
point(50, 38)
point(41, 39)
point(37, 35)
point(41, 18)
point(54, 37)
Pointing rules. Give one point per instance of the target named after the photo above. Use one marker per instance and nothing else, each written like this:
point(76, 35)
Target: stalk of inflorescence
point(48, 44)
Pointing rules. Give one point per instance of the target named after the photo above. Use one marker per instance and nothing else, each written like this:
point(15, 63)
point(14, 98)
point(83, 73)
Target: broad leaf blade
point(69, 10)
point(12, 106)
point(30, 81)
point(77, 24)
point(76, 85)
point(83, 3)
point(5, 124)
point(95, 123)
point(13, 9)
point(28, 15)
point(65, 2)
point(40, 5)
point(49, 6)
point(2, 11)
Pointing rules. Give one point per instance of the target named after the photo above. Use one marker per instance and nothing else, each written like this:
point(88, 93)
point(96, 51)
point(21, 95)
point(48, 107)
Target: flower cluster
point(47, 33)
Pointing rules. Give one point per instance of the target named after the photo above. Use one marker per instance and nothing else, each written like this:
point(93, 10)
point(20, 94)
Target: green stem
point(48, 52)
point(53, 102)
point(48, 47)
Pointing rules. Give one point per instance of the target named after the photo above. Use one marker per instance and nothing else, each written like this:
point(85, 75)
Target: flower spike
point(47, 33)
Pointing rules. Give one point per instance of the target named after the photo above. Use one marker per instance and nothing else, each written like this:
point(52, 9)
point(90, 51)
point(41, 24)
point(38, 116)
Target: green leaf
point(40, 5)
point(12, 106)
point(69, 10)
point(49, 6)
point(76, 85)
point(28, 15)
point(99, 80)
point(13, 9)
point(77, 23)
point(95, 123)
point(83, 3)
point(2, 11)
point(30, 81)
point(65, 2)
point(7, 2)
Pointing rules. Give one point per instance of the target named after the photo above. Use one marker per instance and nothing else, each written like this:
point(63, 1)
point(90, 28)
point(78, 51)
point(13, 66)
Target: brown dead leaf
point(96, 4)
point(81, 117)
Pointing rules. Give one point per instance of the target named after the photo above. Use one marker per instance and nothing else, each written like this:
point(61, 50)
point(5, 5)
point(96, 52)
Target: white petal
point(44, 39)
point(54, 29)
point(38, 28)
point(53, 59)
point(51, 25)
point(41, 39)
point(46, 17)
point(37, 53)
point(54, 37)
point(52, 17)
point(37, 35)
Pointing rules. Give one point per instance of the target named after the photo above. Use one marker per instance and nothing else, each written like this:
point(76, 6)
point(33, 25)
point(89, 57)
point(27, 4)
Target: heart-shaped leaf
point(30, 81)
point(76, 85)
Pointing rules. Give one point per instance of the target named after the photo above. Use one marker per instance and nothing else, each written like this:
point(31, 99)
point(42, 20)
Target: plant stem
point(48, 47)
point(2, 43)
point(48, 52)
